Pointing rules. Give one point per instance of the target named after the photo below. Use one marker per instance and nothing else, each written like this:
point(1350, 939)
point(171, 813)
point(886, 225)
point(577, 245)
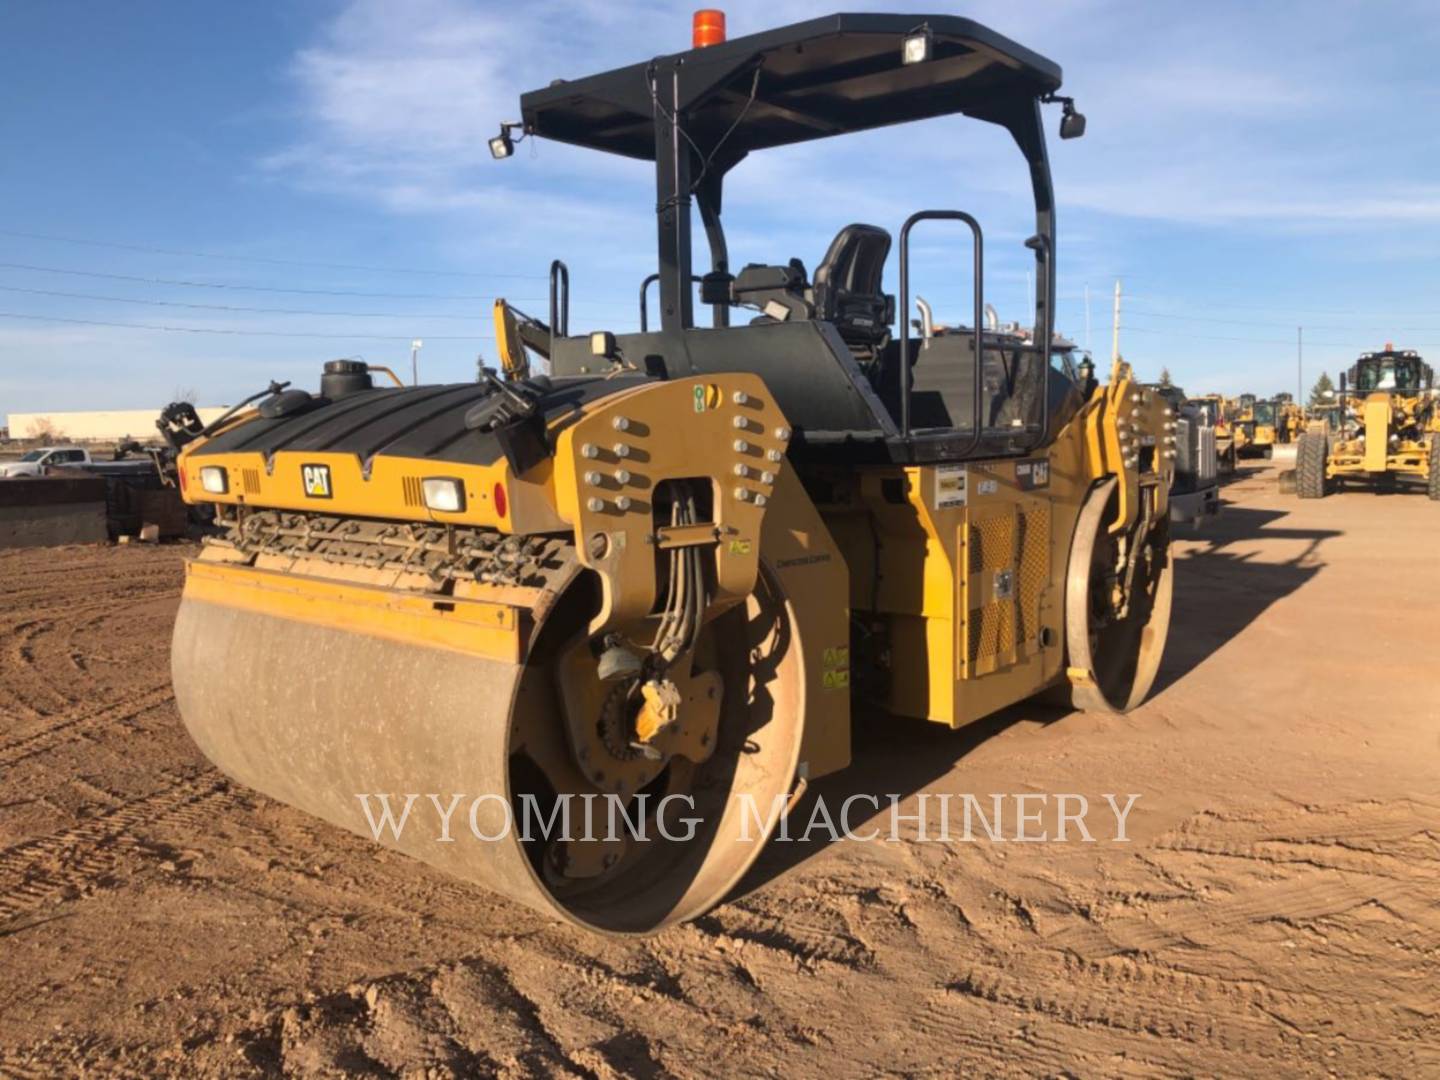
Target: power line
point(1212, 302)
point(235, 288)
point(1268, 341)
point(228, 307)
point(238, 332)
point(1282, 325)
point(262, 258)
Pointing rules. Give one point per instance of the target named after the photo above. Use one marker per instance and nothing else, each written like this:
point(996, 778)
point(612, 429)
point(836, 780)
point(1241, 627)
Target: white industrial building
point(101, 425)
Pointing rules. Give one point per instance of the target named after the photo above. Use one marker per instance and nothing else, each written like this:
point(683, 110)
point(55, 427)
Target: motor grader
point(1388, 428)
point(668, 567)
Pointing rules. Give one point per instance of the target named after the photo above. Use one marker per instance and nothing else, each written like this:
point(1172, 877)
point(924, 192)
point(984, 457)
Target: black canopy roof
point(823, 77)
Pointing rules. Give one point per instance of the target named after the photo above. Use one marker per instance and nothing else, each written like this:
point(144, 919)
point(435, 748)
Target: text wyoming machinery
point(666, 567)
point(1387, 427)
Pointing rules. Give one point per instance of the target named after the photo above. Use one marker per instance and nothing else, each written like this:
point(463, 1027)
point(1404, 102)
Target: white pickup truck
point(36, 462)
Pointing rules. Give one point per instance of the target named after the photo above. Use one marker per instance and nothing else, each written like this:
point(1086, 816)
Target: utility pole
point(415, 361)
point(1088, 347)
point(1300, 365)
point(1115, 326)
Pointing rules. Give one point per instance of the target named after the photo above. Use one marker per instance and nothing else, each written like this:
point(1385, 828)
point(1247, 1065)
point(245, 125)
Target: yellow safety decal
point(835, 674)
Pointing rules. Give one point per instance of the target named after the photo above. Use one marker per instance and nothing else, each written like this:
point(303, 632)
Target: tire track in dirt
point(43, 677)
point(475, 1016)
point(87, 857)
point(131, 705)
point(804, 944)
point(83, 1055)
point(1180, 1011)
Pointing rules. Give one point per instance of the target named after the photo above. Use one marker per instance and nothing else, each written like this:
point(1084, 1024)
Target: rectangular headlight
point(916, 49)
point(445, 494)
point(214, 480)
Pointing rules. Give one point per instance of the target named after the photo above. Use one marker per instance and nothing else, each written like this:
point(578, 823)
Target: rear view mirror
point(1072, 123)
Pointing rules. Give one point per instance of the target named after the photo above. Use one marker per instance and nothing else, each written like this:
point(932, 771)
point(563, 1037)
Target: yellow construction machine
point(1268, 425)
point(1387, 427)
point(1291, 420)
point(655, 577)
point(1230, 438)
point(1328, 414)
point(1255, 425)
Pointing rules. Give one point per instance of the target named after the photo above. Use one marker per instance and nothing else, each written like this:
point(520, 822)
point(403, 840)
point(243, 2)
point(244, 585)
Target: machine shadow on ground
point(1219, 592)
point(891, 756)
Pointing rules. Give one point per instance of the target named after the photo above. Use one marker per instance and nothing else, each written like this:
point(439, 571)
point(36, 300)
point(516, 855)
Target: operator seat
point(847, 289)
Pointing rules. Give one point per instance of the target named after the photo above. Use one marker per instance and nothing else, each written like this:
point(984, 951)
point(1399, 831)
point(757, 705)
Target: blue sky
point(1248, 169)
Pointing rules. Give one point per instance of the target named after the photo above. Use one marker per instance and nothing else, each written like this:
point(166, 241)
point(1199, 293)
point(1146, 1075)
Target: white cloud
point(1212, 115)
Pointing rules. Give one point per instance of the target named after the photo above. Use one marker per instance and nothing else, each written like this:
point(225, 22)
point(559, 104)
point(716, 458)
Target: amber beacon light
point(708, 27)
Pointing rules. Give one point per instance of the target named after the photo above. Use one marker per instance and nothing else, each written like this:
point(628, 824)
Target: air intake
point(341, 378)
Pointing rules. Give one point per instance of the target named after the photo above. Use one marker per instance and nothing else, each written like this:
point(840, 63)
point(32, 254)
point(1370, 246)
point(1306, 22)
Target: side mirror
point(1072, 124)
point(715, 287)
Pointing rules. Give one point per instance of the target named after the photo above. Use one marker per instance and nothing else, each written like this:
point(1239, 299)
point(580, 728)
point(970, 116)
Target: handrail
point(695, 279)
point(907, 375)
point(1040, 244)
point(644, 313)
point(559, 301)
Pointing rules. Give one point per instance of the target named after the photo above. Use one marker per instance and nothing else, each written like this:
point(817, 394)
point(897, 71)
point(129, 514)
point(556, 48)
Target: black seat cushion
point(848, 289)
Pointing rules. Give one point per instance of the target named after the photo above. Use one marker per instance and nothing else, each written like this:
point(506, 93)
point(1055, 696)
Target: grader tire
point(1435, 468)
point(1310, 454)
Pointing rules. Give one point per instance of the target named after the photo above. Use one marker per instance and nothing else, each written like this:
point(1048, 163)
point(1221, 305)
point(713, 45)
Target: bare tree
point(44, 430)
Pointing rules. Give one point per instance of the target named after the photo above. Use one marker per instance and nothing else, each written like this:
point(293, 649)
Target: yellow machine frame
point(976, 623)
point(1375, 453)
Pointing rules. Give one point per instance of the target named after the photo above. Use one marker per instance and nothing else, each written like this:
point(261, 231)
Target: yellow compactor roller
point(663, 572)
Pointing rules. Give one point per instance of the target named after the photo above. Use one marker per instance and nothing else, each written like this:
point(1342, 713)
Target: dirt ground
point(1276, 911)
